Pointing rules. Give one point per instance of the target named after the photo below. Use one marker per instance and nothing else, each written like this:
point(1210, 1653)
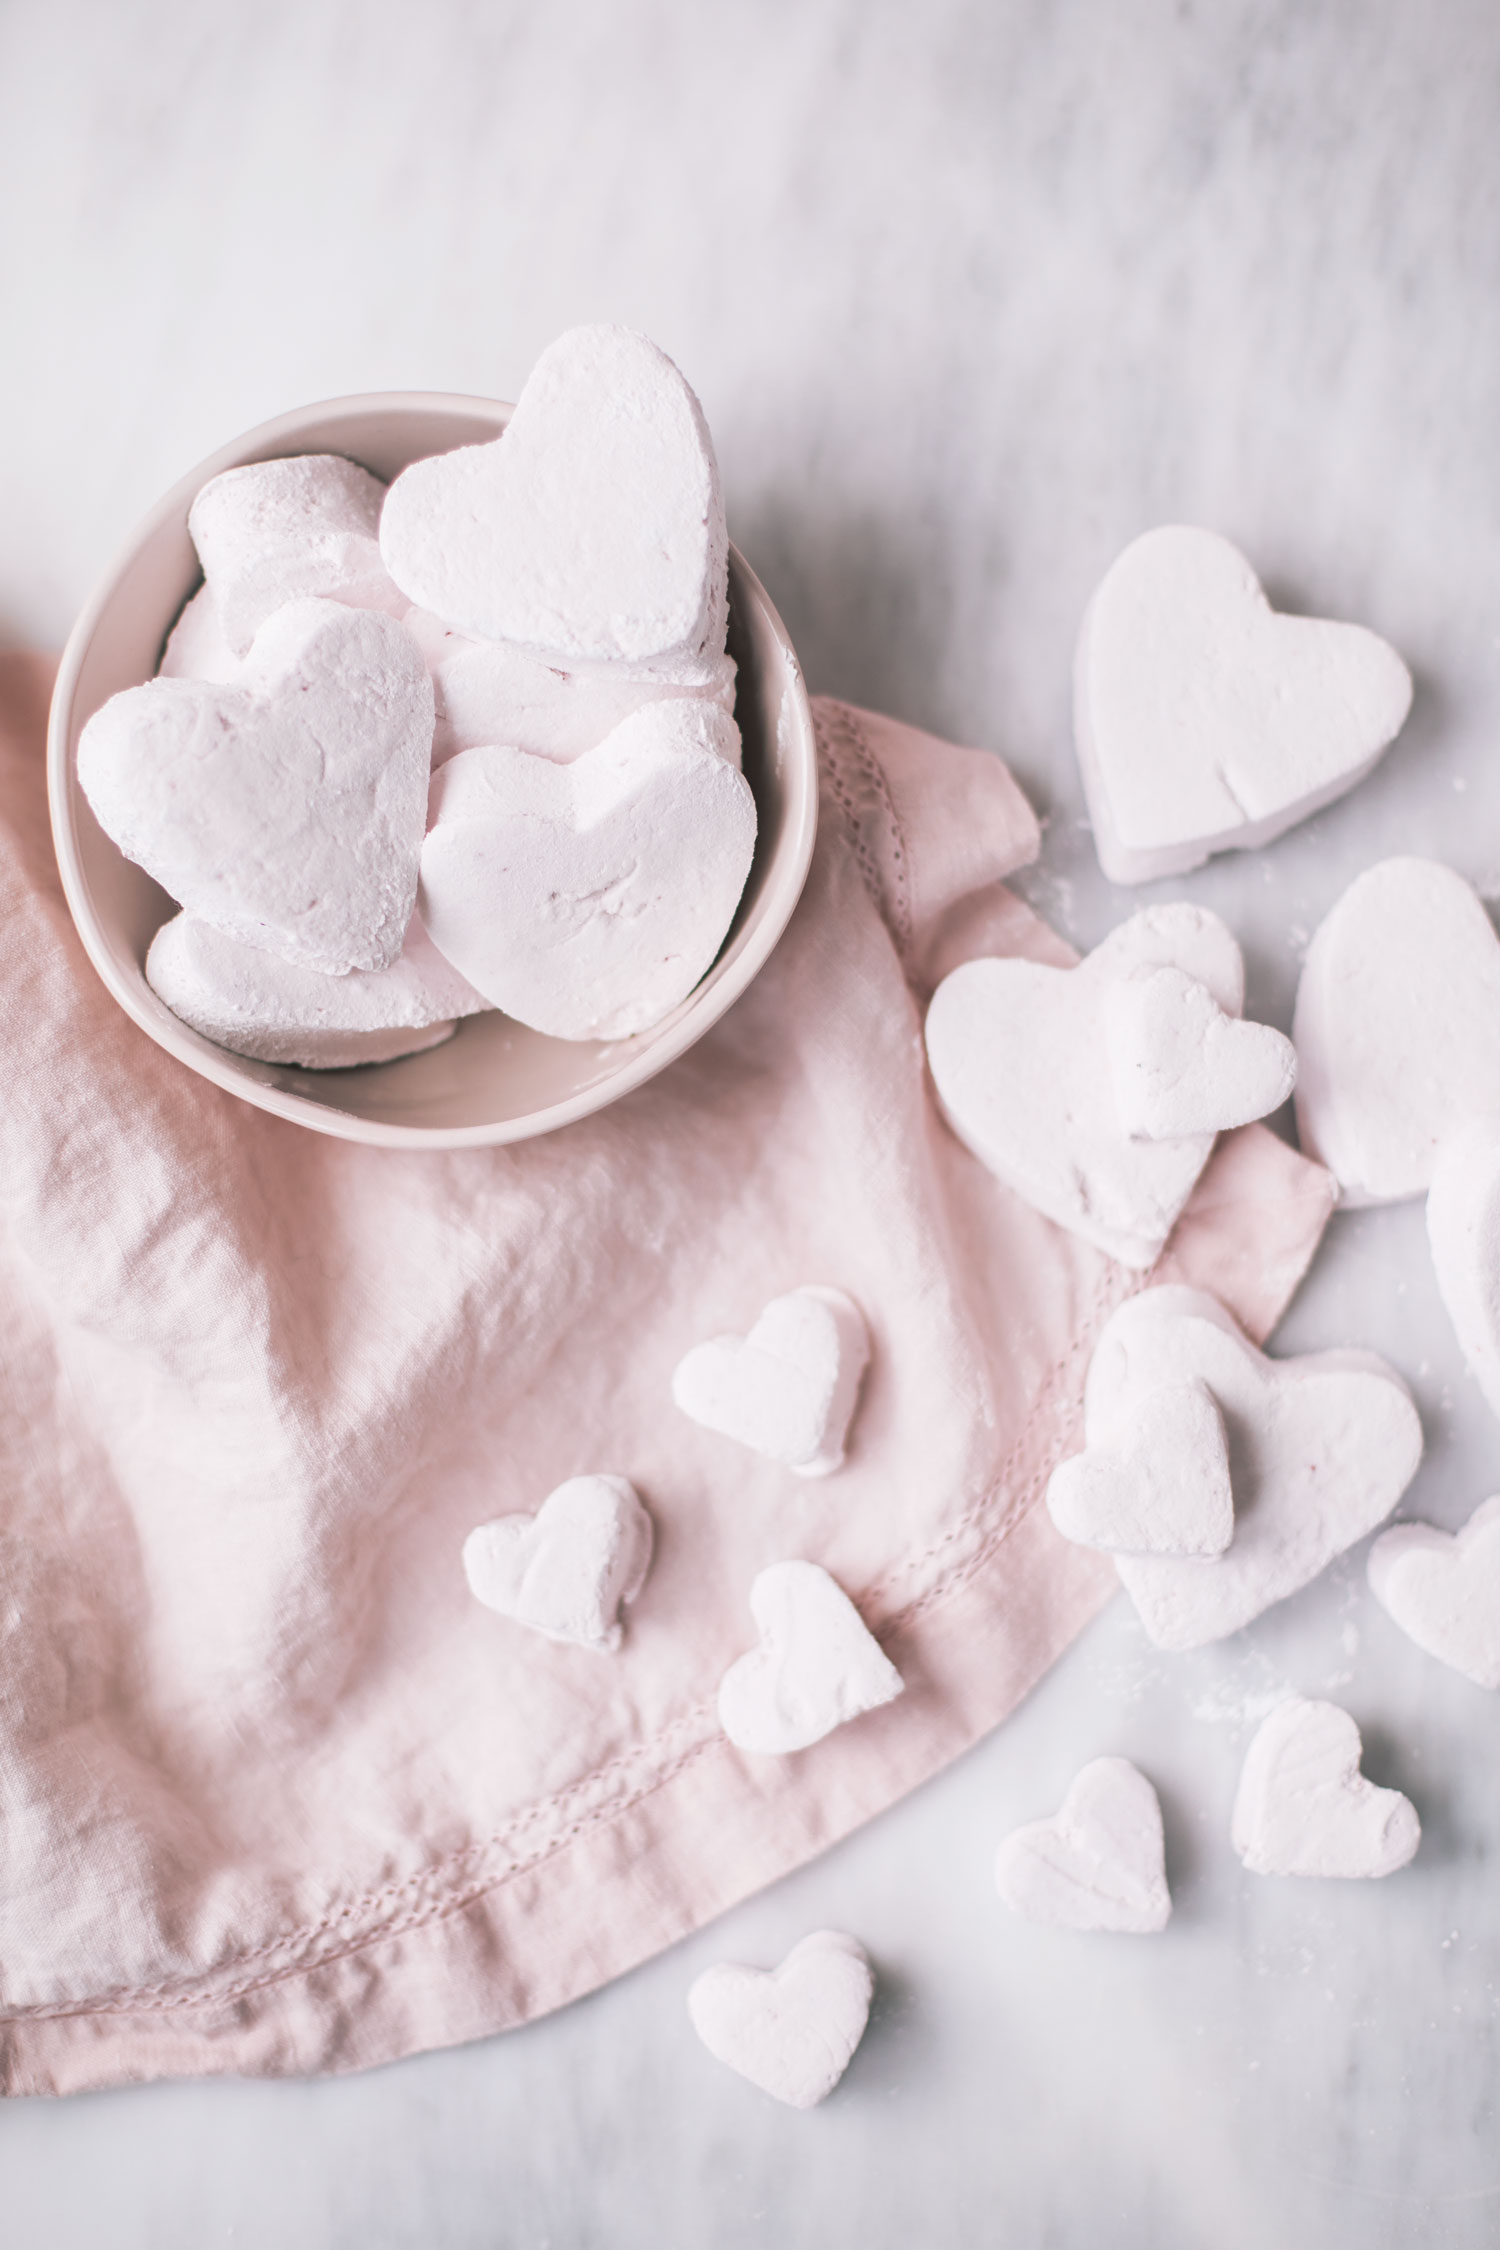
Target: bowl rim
point(699, 1011)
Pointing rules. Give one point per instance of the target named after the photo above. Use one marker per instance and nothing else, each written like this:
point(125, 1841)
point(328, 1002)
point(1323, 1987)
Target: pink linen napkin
point(276, 1795)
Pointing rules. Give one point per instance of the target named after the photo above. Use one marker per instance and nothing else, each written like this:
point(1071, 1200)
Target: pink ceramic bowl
point(494, 1080)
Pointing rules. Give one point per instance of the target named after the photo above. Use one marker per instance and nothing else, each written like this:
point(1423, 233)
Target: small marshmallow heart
point(272, 532)
point(1443, 1590)
point(1397, 1028)
point(566, 1571)
point(1205, 722)
point(287, 808)
point(1304, 1807)
point(591, 529)
point(587, 900)
point(817, 1666)
point(254, 1003)
point(1463, 1232)
point(492, 691)
point(1017, 1053)
point(196, 648)
point(1098, 1864)
point(1159, 1487)
point(1181, 1066)
point(1321, 1449)
point(788, 1389)
point(792, 2030)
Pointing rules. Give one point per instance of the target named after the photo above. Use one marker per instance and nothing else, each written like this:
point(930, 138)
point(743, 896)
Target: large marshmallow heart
point(287, 808)
point(592, 528)
point(1099, 1863)
point(1304, 1808)
point(1443, 1590)
point(1397, 1028)
point(1159, 1487)
point(787, 1390)
point(792, 2030)
point(567, 1570)
point(1320, 1448)
point(817, 1666)
point(1181, 1066)
point(586, 900)
point(1463, 1230)
point(1205, 722)
point(1018, 1056)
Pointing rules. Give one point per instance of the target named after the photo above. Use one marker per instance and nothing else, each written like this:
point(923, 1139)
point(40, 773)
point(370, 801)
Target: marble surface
point(972, 294)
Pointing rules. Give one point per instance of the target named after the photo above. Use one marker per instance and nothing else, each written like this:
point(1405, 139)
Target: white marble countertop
point(972, 294)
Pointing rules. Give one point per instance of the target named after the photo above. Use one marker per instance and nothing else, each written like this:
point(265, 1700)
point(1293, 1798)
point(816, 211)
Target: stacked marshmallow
point(541, 619)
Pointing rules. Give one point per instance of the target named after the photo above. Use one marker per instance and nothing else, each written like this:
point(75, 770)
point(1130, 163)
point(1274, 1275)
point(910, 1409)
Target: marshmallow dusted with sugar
point(1443, 1590)
point(287, 807)
point(788, 1389)
point(792, 2030)
point(817, 1664)
point(1205, 722)
point(269, 532)
point(567, 1571)
point(254, 1003)
point(1099, 1863)
point(591, 529)
point(1304, 1808)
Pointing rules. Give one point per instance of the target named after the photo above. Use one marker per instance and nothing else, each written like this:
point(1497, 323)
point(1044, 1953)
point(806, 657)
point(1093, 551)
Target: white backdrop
point(971, 294)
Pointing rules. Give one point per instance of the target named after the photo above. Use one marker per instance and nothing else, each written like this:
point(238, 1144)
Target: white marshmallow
point(591, 529)
point(587, 900)
point(1463, 1230)
point(1443, 1590)
point(817, 1665)
point(491, 691)
point(1099, 1863)
point(1157, 1485)
point(788, 1389)
point(1321, 1448)
point(792, 2030)
point(1304, 1807)
point(1397, 1028)
point(271, 532)
point(1180, 1066)
point(1017, 1052)
point(256, 1004)
point(566, 1571)
point(196, 648)
point(286, 808)
point(1206, 723)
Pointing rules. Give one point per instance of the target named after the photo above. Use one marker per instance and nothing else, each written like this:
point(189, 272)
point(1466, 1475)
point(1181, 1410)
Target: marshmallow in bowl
point(256, 1004)
point(285, 807)
point(270, 532)
point(586, 900)
point(492, 691)
point(196, 648)
point(590, 530)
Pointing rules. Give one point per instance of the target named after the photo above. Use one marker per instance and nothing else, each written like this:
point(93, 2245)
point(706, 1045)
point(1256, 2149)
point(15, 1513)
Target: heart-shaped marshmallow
point(1181, 1066)
point(196, 648)
point(492, 691)
point(1017, 1056)
point(586, 900)
point(567, 1570)
point(1099, 1863)
point(287, 808)
point(592, 528)
point(817, 1665)
point(788, 1389)
point(1158, 1485)
point(1321, 1448)
point(1206, 723)
point(254, 1003)
point(272, 532)
point(1463, 1230)
point(1443, 1589)
point(792, 2030)
point(1304, 1808)
point(1397, 1028)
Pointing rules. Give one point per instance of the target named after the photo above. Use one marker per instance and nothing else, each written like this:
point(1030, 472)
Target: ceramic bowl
point(494, 1080)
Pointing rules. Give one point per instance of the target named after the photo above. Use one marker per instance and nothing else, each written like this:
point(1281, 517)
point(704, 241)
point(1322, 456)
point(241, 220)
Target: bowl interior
point(495, 1080)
